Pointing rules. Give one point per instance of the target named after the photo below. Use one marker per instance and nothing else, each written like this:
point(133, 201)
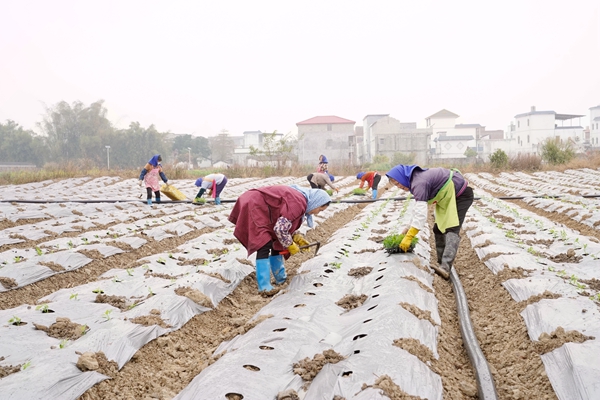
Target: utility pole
point(189, 157)
point(107, 157)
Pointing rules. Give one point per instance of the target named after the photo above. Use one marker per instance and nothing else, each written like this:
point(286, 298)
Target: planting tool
point(317, 244)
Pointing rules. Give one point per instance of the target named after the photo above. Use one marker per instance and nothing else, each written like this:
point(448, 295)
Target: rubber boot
point(374, 195)
point(157, 199)
point(263, 275)
point(452, 242)
point(149, 201)
point(278, 269)
point(218, 201)
point(440, 244)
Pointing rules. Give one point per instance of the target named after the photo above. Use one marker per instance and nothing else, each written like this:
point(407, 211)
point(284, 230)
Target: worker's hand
point(141, 183)
point(404, 231)
point(167, 183)
point(300, 240)
point(405, 244)
point(337, 190)
point(293, 249)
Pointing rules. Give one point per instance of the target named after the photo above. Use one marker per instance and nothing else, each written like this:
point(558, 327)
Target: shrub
point(555, 152)
point(402, 158)
point(499, 159)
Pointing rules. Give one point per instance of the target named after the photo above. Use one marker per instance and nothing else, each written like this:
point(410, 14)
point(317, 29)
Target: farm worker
point(266, 222)
point(372, 179)
point(319, 180)
point(214, 183)
point(452, 196)
point(149, 177)
point(323, 164)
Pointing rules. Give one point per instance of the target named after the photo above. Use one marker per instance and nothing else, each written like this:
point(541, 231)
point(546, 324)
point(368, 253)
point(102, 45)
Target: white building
point(594, 139)
point(531, 129)
point(440, 123)
point(453, 146)
point(369, 144)
point(251, 139)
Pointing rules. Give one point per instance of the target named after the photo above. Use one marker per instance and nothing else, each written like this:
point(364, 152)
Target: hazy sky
point(202, 66)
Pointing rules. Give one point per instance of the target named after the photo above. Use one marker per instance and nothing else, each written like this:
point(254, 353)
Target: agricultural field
point(105, 297)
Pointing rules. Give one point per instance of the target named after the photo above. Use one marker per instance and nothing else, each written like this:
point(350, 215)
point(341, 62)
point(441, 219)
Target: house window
point(527, 138)
point(527, 121)
point(518, 124)
point(381, 141)
point(328, 127)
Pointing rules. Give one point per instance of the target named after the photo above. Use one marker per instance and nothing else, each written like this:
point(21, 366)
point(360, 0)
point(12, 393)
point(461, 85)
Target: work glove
point(141, 183)
point(167, 183)
point(300, 240)
point(405, 244)
point(293, 249)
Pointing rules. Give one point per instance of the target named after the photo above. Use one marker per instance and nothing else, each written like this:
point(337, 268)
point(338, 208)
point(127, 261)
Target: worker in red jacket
point(266, 222)
point(372, 179)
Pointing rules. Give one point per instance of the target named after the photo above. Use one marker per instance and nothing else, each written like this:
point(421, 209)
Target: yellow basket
point(172, 192)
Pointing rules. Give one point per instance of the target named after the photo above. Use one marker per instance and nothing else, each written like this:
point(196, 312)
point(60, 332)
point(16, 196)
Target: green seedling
point(43, 308)
point(85, 240)
point(18, 259)
point(510, 234)
point(391, 244)
point(26, 365)
point(236, 248)
point(70, 244)
point(150, 291)
point(133, 305)
point(129, 271)
point(117, 280)
point(84, 329)
point(15, 320)
point(336, 265)
point(171, 255)
point(225, 251)
point(39, 251)
point(161, 261)
point(145, 266)
point(562, 272)
point(563, 235)
point(206, 262)
point(106, 315)
point(97, 290)
point(531, 250)
point(63, 343)
point(551, 269)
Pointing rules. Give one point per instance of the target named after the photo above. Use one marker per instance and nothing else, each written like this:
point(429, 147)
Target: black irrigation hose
point(485, 382)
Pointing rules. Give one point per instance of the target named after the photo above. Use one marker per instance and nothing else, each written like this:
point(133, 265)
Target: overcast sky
point(203, 66)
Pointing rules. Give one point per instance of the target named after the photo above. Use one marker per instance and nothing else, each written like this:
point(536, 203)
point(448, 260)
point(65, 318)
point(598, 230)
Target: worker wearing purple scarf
point(449, 191)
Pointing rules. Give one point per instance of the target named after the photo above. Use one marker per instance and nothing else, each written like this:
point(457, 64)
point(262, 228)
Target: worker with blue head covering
point(372, 179)
point(449, 191)
point(149, 177)
point(266, 222)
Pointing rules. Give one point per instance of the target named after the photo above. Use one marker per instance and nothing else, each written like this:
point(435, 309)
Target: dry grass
point(72, 170)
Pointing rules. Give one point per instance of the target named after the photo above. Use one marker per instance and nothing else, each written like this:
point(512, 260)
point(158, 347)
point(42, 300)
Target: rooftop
point(328, 119)
point(444, 114)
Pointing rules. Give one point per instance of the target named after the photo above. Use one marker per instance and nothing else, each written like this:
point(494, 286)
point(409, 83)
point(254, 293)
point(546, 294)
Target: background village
point(82, 135)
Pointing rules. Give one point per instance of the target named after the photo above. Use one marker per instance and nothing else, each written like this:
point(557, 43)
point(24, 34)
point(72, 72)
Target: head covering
point(331, 177)
point(314, 198)
point(323, 159)
point(402, 173)
point(198, 182)
point(360, 175)
point(154, 161)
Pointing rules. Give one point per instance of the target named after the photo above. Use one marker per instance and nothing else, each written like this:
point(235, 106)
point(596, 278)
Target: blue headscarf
point(360, 175)
point(154, 160)
point(198, 182)
point(324, 159)
point(314, 198)
point(403, 173)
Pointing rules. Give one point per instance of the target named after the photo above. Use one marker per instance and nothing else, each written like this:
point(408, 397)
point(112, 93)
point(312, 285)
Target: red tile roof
point(328, 119)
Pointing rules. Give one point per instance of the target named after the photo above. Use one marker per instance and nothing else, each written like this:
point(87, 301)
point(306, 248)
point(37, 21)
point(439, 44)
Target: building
point(594, 135)
point(258, 142)
point(369, 144)
point(532, 129)
point(329, 135)
point(450, 140)
point(390, 136)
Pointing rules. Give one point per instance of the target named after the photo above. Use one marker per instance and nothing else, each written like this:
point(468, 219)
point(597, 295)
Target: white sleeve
point(419, 216)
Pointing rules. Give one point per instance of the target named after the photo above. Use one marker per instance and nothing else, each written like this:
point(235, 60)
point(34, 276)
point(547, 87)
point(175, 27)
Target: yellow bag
point(172, 192)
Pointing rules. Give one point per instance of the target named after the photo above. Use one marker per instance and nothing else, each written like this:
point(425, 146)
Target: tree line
point(79, 134)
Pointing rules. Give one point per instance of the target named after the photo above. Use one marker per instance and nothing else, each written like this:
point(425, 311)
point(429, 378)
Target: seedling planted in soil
point(391, 244)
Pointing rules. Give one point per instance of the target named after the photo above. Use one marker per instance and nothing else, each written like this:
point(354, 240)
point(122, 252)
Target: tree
point(134, 146)
point(499, 159)
point(200, 146)
point(275, 149)
point(222, 147)
point(555, 152)
point(76, 132)
point(19, 145)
